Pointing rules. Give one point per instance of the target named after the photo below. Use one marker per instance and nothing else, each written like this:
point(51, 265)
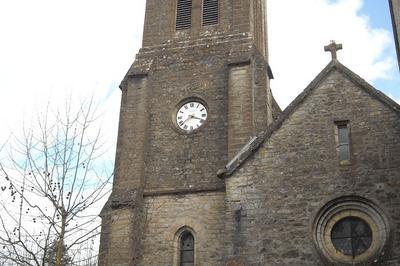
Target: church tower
point(197, 92)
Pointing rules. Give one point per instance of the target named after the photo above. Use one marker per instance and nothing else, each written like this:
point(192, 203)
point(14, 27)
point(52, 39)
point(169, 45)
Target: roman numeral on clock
point(191, 115)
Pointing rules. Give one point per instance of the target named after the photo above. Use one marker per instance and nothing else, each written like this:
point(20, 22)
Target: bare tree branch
point(52, 189)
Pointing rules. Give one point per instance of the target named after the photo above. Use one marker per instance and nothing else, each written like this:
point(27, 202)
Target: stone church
point(210, 171)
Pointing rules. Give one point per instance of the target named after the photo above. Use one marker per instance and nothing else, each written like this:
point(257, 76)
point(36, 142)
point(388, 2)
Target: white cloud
point(51, 49)
point(298, 32)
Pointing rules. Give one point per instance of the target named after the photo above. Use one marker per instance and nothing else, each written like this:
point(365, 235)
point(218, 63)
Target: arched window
point(183, 14)
point(210, 12)
point(186, 249)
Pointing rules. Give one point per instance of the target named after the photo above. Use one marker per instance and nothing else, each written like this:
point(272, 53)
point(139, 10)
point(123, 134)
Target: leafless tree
point(53, 181)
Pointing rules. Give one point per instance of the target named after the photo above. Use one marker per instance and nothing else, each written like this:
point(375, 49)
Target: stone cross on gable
point(333, 48)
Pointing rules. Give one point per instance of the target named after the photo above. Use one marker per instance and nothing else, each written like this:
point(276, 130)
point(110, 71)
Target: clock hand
point(189, 117)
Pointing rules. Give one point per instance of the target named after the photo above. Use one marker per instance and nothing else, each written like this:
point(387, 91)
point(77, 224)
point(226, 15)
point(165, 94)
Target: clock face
point(191, 116)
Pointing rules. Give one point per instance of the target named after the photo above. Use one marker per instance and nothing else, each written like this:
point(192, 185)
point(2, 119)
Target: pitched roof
point(252, 146)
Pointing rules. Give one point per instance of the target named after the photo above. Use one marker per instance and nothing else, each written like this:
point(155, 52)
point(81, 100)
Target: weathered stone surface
point(203, 213)
point(155, 160)
point(235, 262)
point(297, 170)
point(262, 209)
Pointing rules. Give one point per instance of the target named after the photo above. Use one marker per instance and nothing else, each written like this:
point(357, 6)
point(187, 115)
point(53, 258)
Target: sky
point(51, 50)
point(55, 50)
point(297, 36)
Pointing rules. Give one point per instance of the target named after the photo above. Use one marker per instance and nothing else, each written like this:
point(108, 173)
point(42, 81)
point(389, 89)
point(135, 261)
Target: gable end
point(252, 146)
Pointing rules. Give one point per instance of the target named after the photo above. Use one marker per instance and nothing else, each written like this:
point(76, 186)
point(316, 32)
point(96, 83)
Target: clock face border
point(179, 105)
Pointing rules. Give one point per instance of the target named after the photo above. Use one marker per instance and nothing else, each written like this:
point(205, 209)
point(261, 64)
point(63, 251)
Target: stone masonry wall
point(241, 106)
point(159, 27)
point(235, 17)
point(199, 70)
point(273, 199)
point(203, 213)
point(154, 158)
